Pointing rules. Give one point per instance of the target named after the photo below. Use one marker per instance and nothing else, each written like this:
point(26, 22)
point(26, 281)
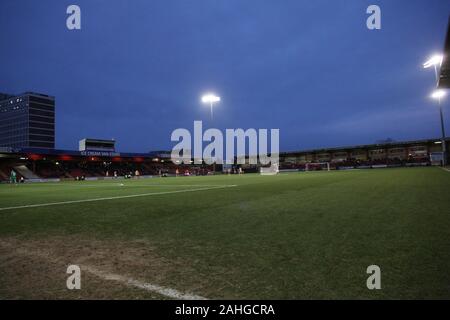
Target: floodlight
point(210, 99)
point(435, 60)
point(438, 94)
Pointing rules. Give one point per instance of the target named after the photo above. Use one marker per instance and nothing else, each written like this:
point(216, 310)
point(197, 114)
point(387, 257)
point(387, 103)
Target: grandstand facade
point(43, 163)
point(405, 153)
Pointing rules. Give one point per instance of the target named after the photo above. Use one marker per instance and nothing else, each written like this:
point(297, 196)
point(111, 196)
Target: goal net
point(313, 166)
point(268, 171)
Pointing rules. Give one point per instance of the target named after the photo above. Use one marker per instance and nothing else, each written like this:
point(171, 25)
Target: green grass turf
point(290, 236)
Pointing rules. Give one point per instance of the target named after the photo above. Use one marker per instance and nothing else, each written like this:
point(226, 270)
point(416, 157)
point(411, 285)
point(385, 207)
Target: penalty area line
point(114, 198)
point(164, 291)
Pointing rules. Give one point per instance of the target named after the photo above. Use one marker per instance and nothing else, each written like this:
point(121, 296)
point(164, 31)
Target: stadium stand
point(25, 172)
point(38, 164)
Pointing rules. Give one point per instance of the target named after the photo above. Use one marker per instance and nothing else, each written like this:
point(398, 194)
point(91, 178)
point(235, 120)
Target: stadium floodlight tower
point(210, 99)
point(436, 61)
point(439, 95)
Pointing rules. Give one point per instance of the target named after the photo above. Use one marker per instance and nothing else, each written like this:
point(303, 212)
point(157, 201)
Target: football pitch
point(291, 236)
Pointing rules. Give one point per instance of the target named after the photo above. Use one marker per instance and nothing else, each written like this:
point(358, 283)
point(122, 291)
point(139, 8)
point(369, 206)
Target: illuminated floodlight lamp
point(438, 94)
point(210, 99)
point(435, 60)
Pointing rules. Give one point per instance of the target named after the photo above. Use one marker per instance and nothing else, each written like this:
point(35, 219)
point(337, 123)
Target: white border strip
point(114, 198)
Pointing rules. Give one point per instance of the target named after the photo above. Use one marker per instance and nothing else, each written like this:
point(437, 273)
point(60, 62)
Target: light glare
point(434, 61)
point(210, 98)
point(438, 94)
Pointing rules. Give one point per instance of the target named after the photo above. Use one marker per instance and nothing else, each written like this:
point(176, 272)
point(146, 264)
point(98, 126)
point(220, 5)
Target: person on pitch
point(13, 177)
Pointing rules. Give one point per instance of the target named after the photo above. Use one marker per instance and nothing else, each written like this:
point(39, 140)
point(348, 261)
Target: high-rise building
point(27, 120)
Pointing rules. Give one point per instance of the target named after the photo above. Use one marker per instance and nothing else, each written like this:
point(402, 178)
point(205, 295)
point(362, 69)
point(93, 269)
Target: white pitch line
point(448, 170)
point(167, 292)
point(113, 198)
point(119, 185)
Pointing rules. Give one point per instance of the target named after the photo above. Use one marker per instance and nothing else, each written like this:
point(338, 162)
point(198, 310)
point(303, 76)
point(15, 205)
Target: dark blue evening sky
point(137, 69)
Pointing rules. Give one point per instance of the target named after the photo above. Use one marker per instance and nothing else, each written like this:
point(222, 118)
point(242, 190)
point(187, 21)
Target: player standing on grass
point(13, 177)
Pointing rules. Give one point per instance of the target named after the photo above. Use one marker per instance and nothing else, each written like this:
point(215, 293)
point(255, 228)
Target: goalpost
point(317, 166)
point(269, 171)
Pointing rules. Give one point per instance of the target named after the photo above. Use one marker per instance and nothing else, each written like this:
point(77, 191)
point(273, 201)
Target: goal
point(313, 166)
point(268, 171)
